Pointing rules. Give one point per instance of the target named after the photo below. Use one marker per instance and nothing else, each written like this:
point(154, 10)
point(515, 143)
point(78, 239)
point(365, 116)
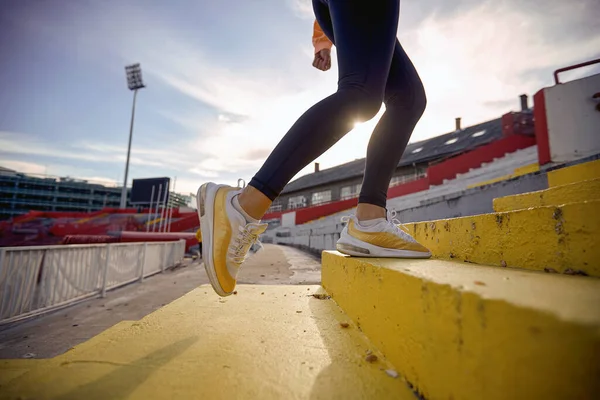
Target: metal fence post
point(106, 265)
point(2, 256)
point(2, 253)
point(143, 262)
point(164, 257)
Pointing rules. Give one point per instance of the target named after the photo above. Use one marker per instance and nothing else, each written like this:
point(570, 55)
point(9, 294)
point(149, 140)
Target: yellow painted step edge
point(554, 196)
point(463, 331)
point(575, 173)
point(527, 169)
point(560, 239)
point(14, 368)
point(267, 342)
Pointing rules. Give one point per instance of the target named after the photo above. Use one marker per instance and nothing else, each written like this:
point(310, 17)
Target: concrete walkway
point(266, 342)
point(53, 334)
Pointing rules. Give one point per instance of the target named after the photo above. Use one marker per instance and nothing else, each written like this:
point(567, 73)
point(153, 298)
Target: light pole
point(134, 82)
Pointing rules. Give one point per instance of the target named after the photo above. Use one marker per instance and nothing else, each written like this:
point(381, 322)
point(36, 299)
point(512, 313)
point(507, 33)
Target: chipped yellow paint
point(572, 193)
point(13, 369)
point(575, 173)
point(267, 342)
point(527, 169)
point(461, 331)
point(563, 238)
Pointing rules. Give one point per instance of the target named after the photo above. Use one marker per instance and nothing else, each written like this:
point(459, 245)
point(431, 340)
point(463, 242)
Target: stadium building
point(343, 182)
point(21, 193)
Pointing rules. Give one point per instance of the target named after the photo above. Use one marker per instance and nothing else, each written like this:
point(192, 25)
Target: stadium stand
point(507, 308)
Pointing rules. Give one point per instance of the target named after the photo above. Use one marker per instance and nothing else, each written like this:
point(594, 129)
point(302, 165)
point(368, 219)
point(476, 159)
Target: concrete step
point(102, 338)
point(519, 171)
point(12, 369)
point(560, 239)
point(554, 196)
point(576, 173)
point(461, 331)
point(268, 342)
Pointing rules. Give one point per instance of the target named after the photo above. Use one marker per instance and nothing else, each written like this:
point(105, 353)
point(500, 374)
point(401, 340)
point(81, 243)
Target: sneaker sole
point(353, 247)
point(205, 200)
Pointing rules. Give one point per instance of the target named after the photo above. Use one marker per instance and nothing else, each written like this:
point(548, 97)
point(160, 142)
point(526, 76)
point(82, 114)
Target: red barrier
point(186, 223)
point(408, 188)
point(460, 164)
point(134, 237)
point(311, 213)
point(541, 127)
point(87, 239)
point(189, 237)
point(273, 215)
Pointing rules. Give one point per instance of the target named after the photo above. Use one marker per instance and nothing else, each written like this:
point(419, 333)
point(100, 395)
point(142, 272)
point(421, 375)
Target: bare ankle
point(365, 211)
point(254, 202)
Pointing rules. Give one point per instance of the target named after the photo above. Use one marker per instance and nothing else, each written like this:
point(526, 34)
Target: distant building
point(20, 193)
point(177, 200)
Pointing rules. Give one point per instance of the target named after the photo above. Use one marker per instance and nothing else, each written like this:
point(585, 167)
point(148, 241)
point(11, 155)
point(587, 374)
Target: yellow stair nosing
point(267, 341)
point(519, 171)
point(99, 339)
point(553, 196)
point(460, 330)
point(555, 238)
point(575, 173)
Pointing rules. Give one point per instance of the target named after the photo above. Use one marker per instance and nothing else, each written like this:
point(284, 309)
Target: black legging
point(373, 68)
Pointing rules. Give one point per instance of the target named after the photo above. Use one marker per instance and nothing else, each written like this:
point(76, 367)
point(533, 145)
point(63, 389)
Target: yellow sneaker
point(226, 235)
point(382, 239)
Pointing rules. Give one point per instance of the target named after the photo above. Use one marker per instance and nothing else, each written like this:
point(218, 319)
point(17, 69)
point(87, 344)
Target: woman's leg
point(364, 34)
point(405, 102)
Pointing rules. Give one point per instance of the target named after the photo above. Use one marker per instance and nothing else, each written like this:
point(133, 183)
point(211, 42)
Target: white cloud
point(24, 166)
point(100, 180)
point(302, 8)
point(472, 64)
point(488, 54)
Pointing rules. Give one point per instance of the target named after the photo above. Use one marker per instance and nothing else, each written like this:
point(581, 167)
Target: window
point(477, 134)
point(410, 176)
point(296, 202)
point(349, 192)
point(451, 141)
point(416, 150)
point(274, 208)
point(321, 197)
point(398, 180)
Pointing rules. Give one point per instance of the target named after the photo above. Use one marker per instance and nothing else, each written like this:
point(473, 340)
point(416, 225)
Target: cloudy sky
point(226, 79)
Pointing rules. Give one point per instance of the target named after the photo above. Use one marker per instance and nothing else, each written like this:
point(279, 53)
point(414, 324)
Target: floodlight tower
point(134, 82)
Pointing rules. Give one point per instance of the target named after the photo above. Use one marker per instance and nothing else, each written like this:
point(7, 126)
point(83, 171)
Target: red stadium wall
point(311, 213)
point(451, 167)
point(541, 127)
point(436, 174)
point(408, 188)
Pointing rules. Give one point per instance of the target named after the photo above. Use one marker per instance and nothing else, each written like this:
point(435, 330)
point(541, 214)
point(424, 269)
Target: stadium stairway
point(503, 310)
point(520, 159)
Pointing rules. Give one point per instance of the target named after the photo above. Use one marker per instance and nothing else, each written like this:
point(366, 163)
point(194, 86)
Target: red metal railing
point(571, 67)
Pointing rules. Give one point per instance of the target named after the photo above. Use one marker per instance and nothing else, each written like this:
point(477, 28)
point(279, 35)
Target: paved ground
point(55, 333)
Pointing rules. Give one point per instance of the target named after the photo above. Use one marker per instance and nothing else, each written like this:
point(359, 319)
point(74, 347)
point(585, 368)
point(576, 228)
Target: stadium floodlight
point(134, 82)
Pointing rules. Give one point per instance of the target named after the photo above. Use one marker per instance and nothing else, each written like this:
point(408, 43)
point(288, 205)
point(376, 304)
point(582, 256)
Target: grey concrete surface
point(53, 334)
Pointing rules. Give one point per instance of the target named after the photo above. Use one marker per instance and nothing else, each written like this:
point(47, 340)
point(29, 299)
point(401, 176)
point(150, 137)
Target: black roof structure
point(424, 151)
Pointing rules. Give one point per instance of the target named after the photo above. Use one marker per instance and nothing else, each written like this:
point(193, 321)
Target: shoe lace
point(391, 217)
point(245, 238)
point(397, 224)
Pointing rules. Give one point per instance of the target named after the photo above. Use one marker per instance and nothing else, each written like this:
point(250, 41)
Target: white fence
point(37, 279)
